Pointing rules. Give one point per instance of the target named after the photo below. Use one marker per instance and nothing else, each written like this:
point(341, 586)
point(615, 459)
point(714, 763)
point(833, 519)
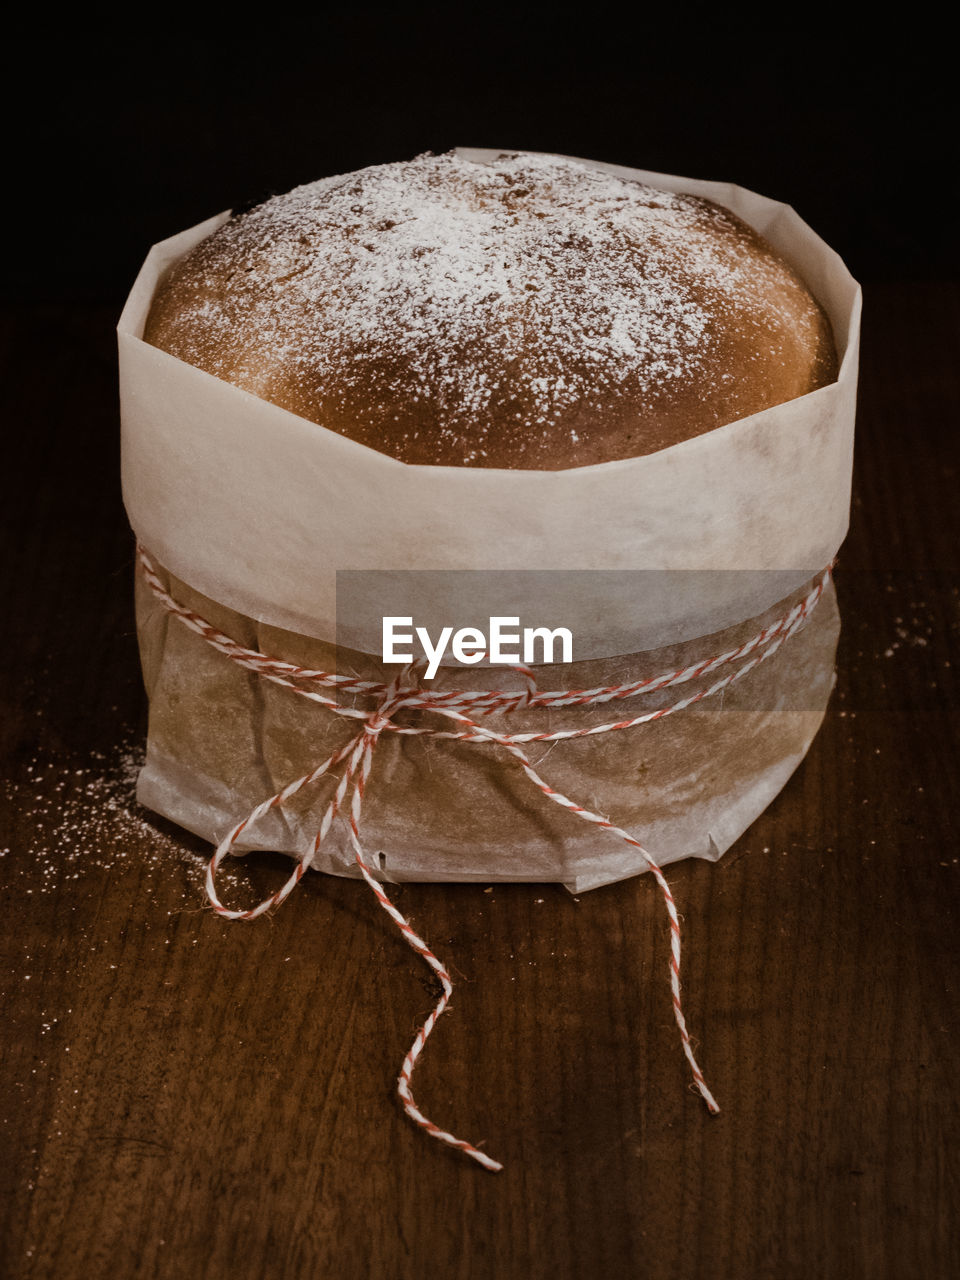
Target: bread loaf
point(528, 313)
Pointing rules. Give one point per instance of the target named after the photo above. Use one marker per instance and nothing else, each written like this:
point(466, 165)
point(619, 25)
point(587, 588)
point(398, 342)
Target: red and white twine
point(460, 707)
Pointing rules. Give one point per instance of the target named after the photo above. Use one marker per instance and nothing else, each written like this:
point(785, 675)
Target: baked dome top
point(532, 312)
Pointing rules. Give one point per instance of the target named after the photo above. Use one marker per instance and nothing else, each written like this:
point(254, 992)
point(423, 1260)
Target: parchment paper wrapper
point(255, 509)
point(222, 739)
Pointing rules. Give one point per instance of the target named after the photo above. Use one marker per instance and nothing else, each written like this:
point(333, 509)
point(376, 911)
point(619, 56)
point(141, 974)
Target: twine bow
point(462, 708)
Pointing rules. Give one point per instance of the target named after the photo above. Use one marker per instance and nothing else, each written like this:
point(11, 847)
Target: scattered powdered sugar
point(75, 818)
point(532, 288)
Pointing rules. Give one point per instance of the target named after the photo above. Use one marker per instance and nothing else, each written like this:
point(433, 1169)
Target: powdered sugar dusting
point(83, 816)
point(433, 301)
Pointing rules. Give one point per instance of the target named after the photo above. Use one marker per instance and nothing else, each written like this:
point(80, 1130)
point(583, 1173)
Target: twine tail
point(360, 765)
point(415, 1050)
point(599, 820)
point(671, 906)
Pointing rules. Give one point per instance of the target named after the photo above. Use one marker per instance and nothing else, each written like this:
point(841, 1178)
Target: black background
point(125, 131)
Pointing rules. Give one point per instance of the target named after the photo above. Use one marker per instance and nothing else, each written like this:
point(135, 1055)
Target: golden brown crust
point(529, 313)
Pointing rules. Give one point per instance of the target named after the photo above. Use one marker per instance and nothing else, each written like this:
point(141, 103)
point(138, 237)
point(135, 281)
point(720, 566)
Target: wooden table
point(188, 1097)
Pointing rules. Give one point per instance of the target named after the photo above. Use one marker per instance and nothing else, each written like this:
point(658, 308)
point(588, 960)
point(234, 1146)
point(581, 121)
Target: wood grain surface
point(185, 1097)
